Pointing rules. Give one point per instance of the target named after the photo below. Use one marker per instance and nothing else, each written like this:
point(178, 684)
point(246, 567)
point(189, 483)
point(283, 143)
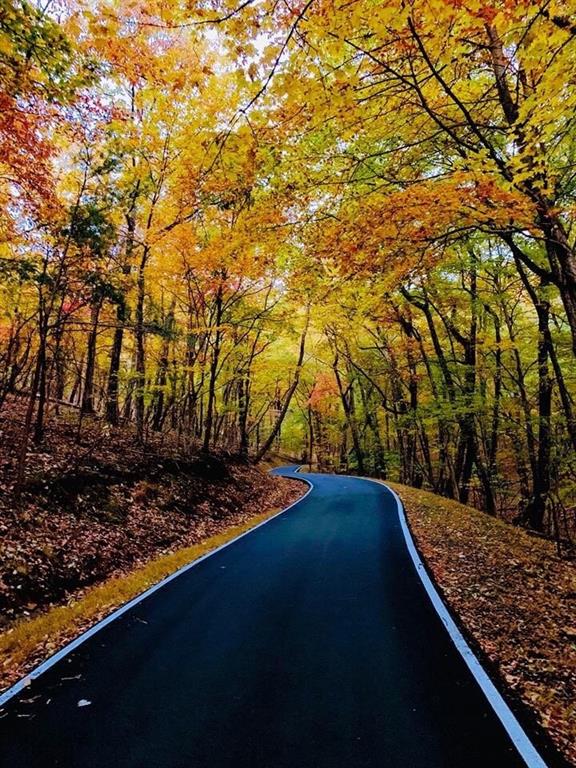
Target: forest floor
point(514, 598)
point(97, 520)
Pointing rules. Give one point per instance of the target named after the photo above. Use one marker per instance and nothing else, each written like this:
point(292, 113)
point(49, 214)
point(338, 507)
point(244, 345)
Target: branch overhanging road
point(308, 643)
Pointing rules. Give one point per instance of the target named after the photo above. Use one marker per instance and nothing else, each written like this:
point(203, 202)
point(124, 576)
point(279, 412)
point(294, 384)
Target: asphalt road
point(309, 643)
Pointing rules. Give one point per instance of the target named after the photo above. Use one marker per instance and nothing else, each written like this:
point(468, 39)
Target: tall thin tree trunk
point(140, 379)
point(535, 511)
point(243, 411)
point(87, 405)
point(162, 376)
point(346, 398)
point(40, 387)
point(209, 422)
point(23, 450)
point(112, 390)
point(267, 444)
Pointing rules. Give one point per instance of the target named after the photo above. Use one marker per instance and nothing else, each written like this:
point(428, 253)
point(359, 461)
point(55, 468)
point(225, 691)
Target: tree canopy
point(340, 231)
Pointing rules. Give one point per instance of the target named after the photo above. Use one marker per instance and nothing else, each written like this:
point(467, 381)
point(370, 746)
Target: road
point(308, 643)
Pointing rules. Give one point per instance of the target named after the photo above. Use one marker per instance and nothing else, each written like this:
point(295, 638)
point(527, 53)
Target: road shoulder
point(514, 598)
point(29, 641)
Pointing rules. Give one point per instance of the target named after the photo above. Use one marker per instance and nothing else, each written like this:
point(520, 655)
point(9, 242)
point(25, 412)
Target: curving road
point(308, 643)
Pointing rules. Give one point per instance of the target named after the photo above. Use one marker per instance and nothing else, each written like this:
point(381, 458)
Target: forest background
point(339, 231)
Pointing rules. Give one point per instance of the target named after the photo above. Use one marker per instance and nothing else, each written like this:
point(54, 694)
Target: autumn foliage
point(340, 231)
point(343, 232)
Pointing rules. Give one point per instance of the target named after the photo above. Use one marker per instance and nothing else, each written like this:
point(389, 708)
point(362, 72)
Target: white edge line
point(67, 649)
point(515, 731)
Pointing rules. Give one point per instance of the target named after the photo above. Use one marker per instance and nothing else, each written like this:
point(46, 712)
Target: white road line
point(515, 731)
point(50, 662)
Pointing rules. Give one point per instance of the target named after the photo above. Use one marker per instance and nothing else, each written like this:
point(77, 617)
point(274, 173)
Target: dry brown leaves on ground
point(101, 505)
point(515, 597)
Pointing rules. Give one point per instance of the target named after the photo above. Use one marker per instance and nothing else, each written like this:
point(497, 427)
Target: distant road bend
point(310, 642)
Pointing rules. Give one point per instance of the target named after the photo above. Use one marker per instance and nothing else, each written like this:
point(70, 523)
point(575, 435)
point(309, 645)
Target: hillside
point(100, 504)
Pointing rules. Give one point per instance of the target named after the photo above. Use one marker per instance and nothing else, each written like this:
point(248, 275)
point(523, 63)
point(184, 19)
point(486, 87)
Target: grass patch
point(31, 640)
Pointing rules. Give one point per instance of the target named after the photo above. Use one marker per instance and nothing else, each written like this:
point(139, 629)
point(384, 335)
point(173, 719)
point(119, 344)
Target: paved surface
point(309, 643)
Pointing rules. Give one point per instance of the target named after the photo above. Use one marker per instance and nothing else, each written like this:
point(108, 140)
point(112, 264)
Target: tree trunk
point(536, 508)
point(39, 389)
point(535, 511)
point(346, 398)
point(87, 405)
point(23, 450)
point(140, 379)
point(112, 390)
point(267, 444)
point(243, 410)
point(161, 378)
point(209, 421)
